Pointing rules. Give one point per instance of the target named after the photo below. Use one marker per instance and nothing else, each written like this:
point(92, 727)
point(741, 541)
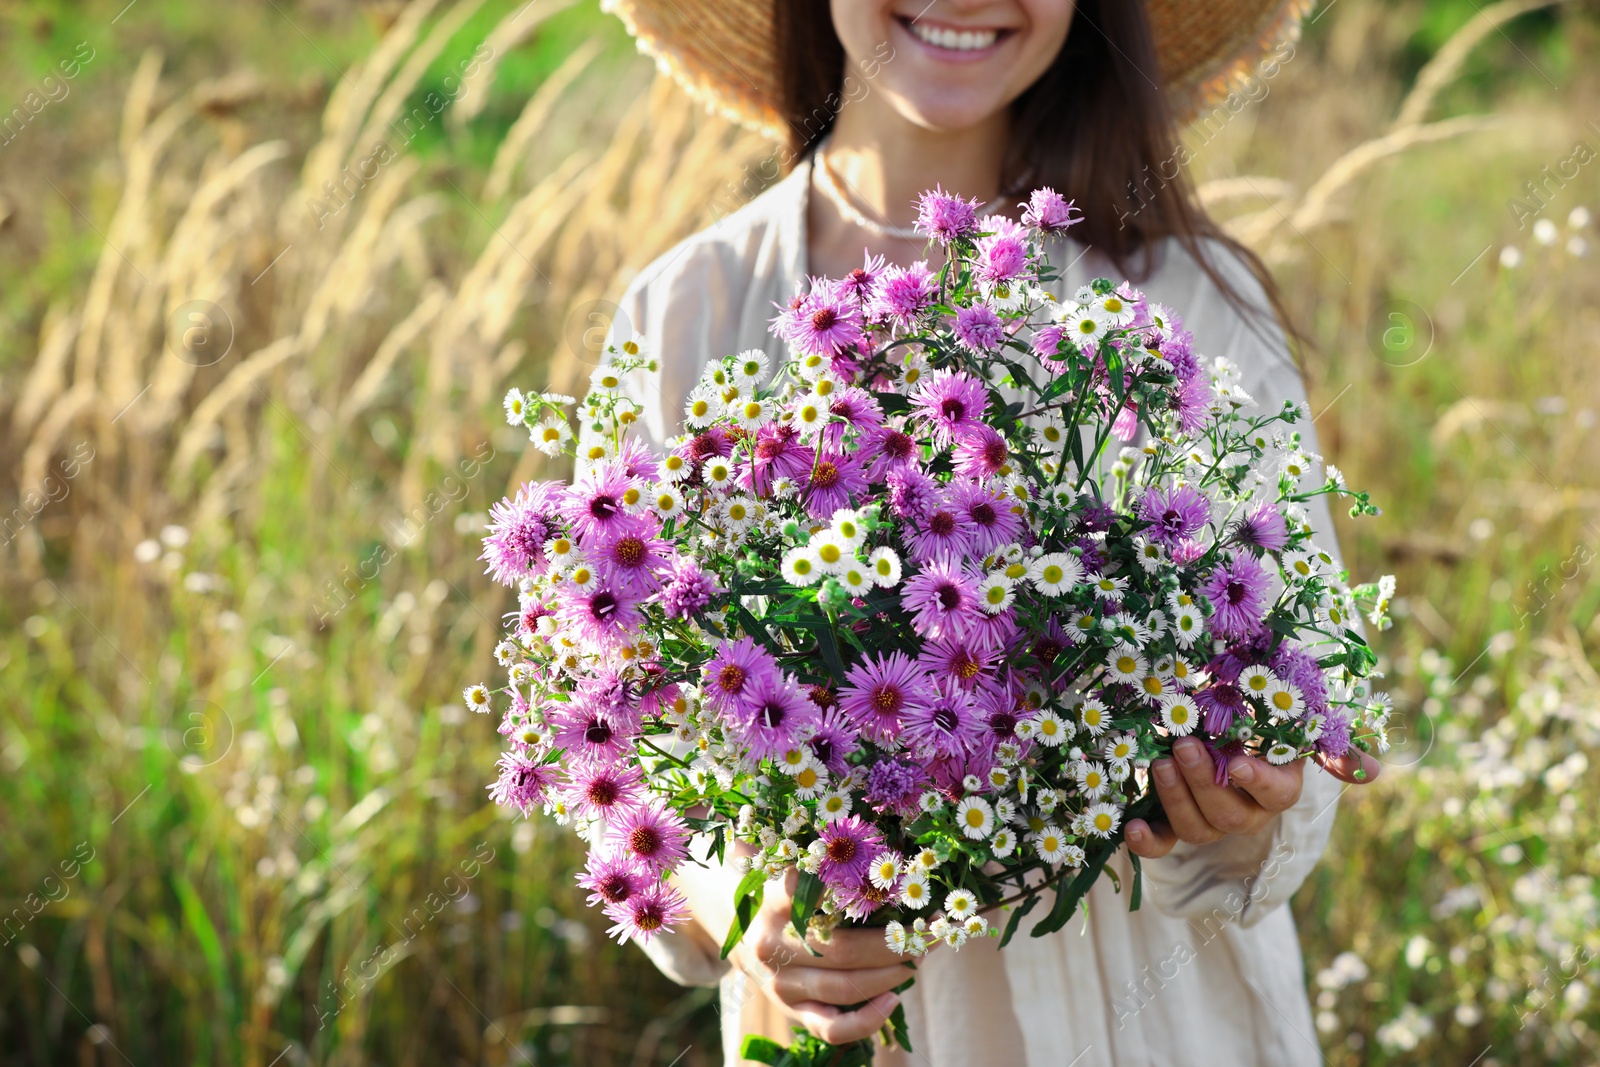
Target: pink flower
point(1002, 254)
point(978, 328)
point(778, 453)
point(734, 674)
point(833, 480)
point(904, 293)
point(986, 516)
point(950, 402)
point(647, 913)
point(1049, 211)
point(518, 529)
point(769, 721)
point(823, 323)
point(601, 792)
point(981, 452)
point(522, 782)
point(1174, 513)
point(946, 217)
point(942, 599)
point(1262, 528)
point(849, 846)
point(947, 727)
point(1238, 592)
point(650, 834)
point(879, 690)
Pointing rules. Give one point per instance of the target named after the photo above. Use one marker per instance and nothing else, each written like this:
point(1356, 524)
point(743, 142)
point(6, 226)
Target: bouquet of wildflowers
point(913, 610)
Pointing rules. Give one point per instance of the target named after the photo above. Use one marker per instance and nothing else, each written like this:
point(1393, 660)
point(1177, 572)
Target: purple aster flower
point(893, 787)
point(777, 453)
point(986, 516)
point(835, 739)
point(595, 503)
point(651, 911)
point(627, 553)
point(862, 282)
point(904, 293)
point(946, 727)
point(1126, 425)
point(1238, 592)
point(1049, 211)
point(849, 846)
point(688, 590)
point(946, 217)
point(600, 792)
point(518, 529)
point(826, 322)
point(978, 328)
point(650, 834)
point(1263, 528)
point(1174, 513)
point(588, 737)
point(1221, 705)
point(878, 692)
point(939, 532)
point(604, 618)
point(857, 903)
point(1047, 345)
point(637, 461)
point(998, 632)
point(611, 877)
point(833, 480)
point(911, 492)
point(1334, 741)
point(769, 721)
point(942, 599)
point(950, 402)
point(735, 672)
point(1001, 254)
point(522, 782)
point(963, 662)
point(884, 449)
point(705, 444)
point(854, 409)
point(1191, 400)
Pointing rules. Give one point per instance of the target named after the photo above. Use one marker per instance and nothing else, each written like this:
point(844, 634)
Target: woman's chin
point(945, 112)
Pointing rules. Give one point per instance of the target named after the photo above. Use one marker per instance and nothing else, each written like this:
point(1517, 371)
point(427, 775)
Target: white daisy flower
point(674, 468)
point(476, 697)
point(1284, 700)
point(960, 905)
point(701, 409)
point(1102, 819)
point(583, 577)
point(551, 434)
point(1083, 327)
point(1120, 748)
point(996, 593)
point(794, 760)
point(1187, 625)
point(975, 817)
point(930, 801)
point(1155, 687)
point(750, 414)
point(1110, 588)
point(831, 553)
point(665, 500)
point(848, 528)
point(833, 805)
point(894, 935)
point(1180, 714)
point(1256, 681)
point(1280, 753)
point(1074, 856)
point(1051, 844)
point(999, 781)
point(717, 472)
point(1094, 717)
point(1126, 665)
point(1085, 623)
point(1093, 782)
point(1299, 565)
point(1113, 309)
point(1050, 729)
point(926, 860)
point(914, 890)
point(810, 414)
point(885, 566)
point(738, 512)
point(1150, 554)
point(856, 578)
point(886, 870)
point(800, 566)
point(1055, 573)
point(975, 926)
point(810, 782)
point(606, 380)
point(1003, 843)
point(749, 368)
point(516, 407)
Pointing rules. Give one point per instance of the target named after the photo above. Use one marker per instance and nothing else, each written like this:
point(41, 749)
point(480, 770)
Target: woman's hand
point(854, 966)
point(1200, 811)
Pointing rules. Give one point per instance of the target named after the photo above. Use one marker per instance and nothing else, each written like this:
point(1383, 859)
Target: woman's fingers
point(798, 984)
point(1224, 809)
point(1274, 788)
point(838, 1027)
point(1184, 817)
point(1355, 766)
point(1150, 840)
point(853, 950)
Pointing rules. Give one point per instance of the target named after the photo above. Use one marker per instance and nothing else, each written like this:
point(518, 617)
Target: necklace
point(829, 183)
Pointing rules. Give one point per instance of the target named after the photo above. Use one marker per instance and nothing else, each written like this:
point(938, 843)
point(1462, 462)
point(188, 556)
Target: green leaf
point(746, 902)
point(1015, 921)
point(897, 1023)
point(1136, 894)
point(807, 893)
point(762, 1049)
point(1114, 375)
point(828, 645)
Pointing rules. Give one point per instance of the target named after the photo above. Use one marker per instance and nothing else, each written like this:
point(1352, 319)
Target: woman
point(880, 99)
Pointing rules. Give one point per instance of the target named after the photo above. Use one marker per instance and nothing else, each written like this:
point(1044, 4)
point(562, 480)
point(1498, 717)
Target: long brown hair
point(1097, 127)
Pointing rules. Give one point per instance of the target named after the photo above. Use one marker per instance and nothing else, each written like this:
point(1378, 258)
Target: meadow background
point(266, 268)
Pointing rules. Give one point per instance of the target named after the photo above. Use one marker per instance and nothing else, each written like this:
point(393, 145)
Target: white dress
point(1208, 971)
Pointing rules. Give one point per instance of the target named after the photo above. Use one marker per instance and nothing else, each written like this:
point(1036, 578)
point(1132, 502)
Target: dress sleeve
point(1247, 876)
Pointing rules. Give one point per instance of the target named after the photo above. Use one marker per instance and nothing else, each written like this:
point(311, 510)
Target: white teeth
point(955, 41)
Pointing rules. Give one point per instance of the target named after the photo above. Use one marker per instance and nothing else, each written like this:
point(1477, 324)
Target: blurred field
point(244, 818)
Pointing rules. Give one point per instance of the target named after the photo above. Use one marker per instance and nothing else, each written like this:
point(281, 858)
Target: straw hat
point(721, 50)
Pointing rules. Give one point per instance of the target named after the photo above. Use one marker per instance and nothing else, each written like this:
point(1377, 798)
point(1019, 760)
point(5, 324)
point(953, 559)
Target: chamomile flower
point(717, 473)
point(975, 817)
point(1093, 715)
point(1003, 843)
point(914, 892)
point(894, 935)
point(1051, 844)
point(1074, 857)
point(1055, 573)
point(516, 407)
point(583, 577)
point(749, 413)
point(960, 905)
point(856, 578)
point(738, 513)
point(885, 566)
point(833, 805)
point(999, 781)
point(606, 380)
point(800, 566)
point(831, 553)
point(1150, 554)
point(1050, 730)
point(1180, 714)
point(1083, 327)
point(930, 801)
point(1102, 819)
point(749, 368)
point(504, 653)
point(1187, 625)
point(701, 408)
point(1120, 748)
point(1113, 309)
point(1281, 752)
point(885, 871)
point(996, 593)
point(1284, 700)
point(1256, 681)
point(848, 528)
point(551, 434)
point(665, 500)
point(1110, 588)
point(1126, 665)
point(1093, 781)
point(810, 782)
point(809, 414)
point(476, 698)
point(674, 468)
point(794, 760)
point(1086, 623)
